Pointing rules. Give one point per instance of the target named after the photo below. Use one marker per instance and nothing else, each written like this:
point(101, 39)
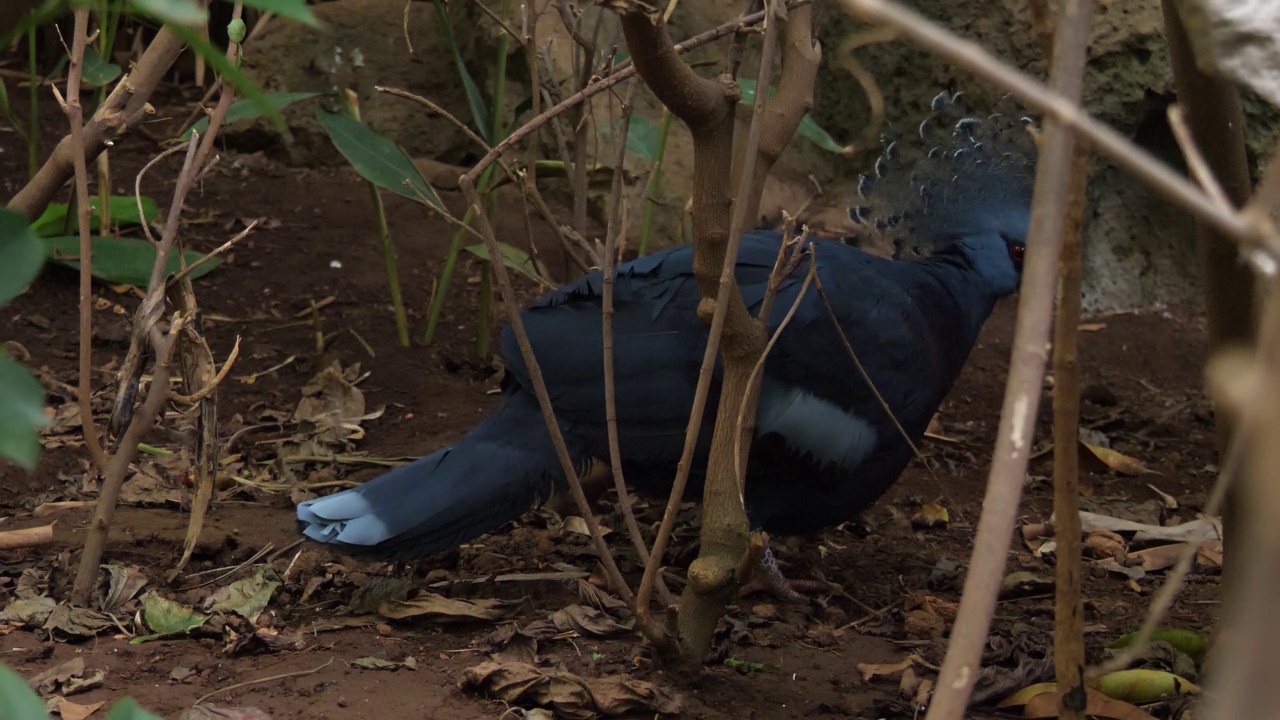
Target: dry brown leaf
point(569, 696)
point(931, 515)
point(1045, 705)
point(75, 711)
point(577, 525)
point(588, 621)
point(1104, 544)
point(872, 670)
point(1158, 557)
point(430, 606)
point(1118, 461)
point(1195, 530)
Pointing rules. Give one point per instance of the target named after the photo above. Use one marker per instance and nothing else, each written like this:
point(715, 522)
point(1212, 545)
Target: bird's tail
point(503, 468)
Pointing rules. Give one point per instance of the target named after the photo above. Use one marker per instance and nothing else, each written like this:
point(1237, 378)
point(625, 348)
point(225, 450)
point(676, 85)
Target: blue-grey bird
point(824, 447)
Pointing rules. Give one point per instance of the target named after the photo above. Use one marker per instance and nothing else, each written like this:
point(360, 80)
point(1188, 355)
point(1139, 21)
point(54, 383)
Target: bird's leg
point(768, 578)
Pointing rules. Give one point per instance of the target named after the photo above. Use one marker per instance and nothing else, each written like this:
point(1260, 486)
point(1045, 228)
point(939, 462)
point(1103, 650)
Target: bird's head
point(964, 186)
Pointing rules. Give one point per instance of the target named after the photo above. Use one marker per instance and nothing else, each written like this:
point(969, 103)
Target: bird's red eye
point(1017, 252)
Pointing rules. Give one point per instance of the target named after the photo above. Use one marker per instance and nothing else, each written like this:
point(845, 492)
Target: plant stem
point(655, 179)
point(33, 133)
point(389, 258)
point(446, 274)
point(384, 240)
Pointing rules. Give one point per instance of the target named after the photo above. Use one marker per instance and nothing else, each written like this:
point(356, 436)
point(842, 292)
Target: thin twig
point(75, 114)
point(1195, 159)
point(540, 390)
point(259, 681)
point(224, 247)
point(615, 229)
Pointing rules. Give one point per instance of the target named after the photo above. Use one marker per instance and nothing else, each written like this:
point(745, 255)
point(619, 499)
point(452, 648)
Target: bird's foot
point(768, 578)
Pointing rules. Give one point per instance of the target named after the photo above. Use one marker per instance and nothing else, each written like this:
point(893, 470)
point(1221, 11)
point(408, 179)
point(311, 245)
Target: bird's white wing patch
point(814, 425)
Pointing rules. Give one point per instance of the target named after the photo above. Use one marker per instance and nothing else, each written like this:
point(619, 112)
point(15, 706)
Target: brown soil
point(1150, 362)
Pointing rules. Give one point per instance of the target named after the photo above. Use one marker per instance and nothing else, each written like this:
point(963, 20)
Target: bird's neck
point(961, 288)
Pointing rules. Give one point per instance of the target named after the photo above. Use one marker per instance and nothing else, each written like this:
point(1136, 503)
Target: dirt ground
point(899, 583)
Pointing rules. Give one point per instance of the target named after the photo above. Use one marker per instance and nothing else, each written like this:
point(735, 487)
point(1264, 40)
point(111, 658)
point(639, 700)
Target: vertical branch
point(1068, 627)
point(1022, 394)
point(75, 114)
point(1244, 685)
point(617, 226)
point(467, 184)
point(1217, 124)
point(706, 106)
point(198, 370)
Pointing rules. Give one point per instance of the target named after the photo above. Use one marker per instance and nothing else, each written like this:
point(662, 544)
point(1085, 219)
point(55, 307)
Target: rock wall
point(1139, 250)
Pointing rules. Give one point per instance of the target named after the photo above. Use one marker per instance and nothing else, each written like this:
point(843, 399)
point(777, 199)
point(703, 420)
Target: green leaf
point(479, 110)
point(292, 9)
point(21, 414)
point(247, 109)
point(96, 71)
point(165, 617)
point(247, 597)
point(8, 111)
point(21, 254)
point(242, 83)
point(376, 157)
point(516, 259)
point(124, 211)
point(642, 136)
point(129, 709)
point(17, 699)
point(121, 259)
point(809, 128)
point(174, 12)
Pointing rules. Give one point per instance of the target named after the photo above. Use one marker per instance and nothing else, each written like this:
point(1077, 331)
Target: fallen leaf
point(588, 622)
point(1025, 583)
point(31, 612)
point(124, 583)
point(1118, 461)
point(264, 640)
point(1042, 701)
point(439, 608)
point(578, 526)
point(1158, 557)
point(373, 663)
point(75, 711)
point(1196, 530)
point(1143, 685)
point(567, 695)
point(47, 682)
point(872, 670)
point(246, 597)
point(1105, 544)
point(79, 622)
point(931, 515)
point(1091, 327)
point(165, 617)
point(1190, 643)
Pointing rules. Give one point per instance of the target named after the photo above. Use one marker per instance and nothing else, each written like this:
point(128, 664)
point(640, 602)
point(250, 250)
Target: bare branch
point(123, 109)
point(1026, 374)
